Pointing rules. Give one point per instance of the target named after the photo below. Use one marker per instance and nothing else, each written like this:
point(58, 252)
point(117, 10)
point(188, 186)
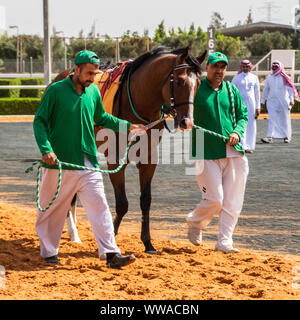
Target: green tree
point(217, 21)
point(249, 17)
point(192, 31)
point(1, 65)
point(8, 47)
point(195, 40)
point(172, 32)
point(81, 33)
point(230, 46)
point(262, 43)
point(132, 45)
point(105, 49)
point(160, 32)
point(295, 40)
point(33, 46)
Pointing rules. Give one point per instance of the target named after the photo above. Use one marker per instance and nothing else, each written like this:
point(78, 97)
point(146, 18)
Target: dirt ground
point(179, 270)
point(268, 234)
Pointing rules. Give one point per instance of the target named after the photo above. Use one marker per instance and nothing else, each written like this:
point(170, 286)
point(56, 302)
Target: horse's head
point(184, 81)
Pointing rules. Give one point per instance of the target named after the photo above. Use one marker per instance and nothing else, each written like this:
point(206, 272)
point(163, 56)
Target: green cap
point(86, 56)
point(216, 57)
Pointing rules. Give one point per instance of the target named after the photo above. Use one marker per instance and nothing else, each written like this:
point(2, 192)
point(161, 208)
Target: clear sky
point(114, 17)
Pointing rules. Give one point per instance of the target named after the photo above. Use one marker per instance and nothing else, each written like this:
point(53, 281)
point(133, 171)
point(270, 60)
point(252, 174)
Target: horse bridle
point(171, 110)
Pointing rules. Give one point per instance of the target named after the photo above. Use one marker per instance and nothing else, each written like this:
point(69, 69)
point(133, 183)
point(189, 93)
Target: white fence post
point(31, 66)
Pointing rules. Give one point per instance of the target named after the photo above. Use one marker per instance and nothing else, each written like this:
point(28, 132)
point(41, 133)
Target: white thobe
point(278, 96)
point(248, 85)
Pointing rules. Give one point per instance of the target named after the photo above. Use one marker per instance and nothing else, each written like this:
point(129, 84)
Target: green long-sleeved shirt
point(213, 111)
point(64, 122)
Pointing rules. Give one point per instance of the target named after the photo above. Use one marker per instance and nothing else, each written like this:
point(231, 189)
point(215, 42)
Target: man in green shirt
point(64, 129)
point(221, 166)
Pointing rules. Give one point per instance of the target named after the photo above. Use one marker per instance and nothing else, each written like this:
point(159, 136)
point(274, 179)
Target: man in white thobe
point(248, 85)
point(279, 92)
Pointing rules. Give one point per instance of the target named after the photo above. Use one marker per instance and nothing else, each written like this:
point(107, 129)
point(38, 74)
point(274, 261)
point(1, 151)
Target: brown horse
point(156, 78)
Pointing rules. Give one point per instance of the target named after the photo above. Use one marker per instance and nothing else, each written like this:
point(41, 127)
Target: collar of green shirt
point(72, 84)
point(207, 82)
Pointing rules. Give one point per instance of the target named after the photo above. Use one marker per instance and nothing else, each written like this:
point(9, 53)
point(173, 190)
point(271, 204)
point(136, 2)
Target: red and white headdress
point(286, 79)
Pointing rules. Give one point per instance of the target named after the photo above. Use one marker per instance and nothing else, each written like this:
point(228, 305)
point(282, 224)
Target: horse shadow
point(178, 251)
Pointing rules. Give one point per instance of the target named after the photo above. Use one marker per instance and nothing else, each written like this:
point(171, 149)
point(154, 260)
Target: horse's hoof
point(151, 251)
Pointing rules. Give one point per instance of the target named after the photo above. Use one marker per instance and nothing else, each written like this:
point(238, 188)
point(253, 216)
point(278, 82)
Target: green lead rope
point(232, 104)
point(131, 104)
point(38, 181)
point(78, 167)
point(214, 134)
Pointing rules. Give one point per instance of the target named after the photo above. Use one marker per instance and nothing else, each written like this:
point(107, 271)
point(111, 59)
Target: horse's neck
point(146, 86)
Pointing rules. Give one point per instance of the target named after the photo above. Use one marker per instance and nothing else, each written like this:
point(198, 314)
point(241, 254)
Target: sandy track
point(179, 271)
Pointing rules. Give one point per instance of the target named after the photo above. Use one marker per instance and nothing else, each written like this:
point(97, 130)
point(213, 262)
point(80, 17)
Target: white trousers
point(222, 183)
point(89, 187)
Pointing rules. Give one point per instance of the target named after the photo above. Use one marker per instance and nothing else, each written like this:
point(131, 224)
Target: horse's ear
point(184, 55)
point(202, 57)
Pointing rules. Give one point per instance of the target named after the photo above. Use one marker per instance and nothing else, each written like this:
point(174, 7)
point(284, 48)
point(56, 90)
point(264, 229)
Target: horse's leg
point(71, 220)
point(118, 182)
point(146, 172)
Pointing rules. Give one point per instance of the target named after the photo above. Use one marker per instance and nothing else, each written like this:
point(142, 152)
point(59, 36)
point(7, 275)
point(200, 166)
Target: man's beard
point(218, 77)
point(84, 84)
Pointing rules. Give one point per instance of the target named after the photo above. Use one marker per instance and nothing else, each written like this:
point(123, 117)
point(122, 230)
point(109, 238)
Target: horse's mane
point(156, 52)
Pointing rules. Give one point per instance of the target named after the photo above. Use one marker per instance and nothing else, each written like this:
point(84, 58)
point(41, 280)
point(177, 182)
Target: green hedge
point(10, 93)
point(9, 106)
point(21, 93)
point(32, 93)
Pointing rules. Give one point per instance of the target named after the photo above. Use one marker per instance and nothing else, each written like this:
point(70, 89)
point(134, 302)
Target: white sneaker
point(194, 235)
point(267, 140)
point(226, 249)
